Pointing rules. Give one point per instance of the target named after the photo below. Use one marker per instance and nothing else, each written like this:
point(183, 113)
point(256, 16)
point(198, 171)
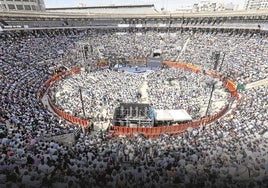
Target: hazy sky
point(167, 4)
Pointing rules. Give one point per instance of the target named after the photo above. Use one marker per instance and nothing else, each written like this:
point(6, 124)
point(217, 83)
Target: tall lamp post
point(82, 102)
point(215, 57)
point(211, 94)
point(222, 62)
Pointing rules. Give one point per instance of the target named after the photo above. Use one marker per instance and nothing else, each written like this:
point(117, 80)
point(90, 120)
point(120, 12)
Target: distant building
point(184, 9)
point(122, 9)
point(22, 5)
point(256, 4)
point(230, 6)
point(81, 5)
point(207, 6)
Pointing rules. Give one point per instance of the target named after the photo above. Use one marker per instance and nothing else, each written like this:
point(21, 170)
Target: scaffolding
point(133, 115)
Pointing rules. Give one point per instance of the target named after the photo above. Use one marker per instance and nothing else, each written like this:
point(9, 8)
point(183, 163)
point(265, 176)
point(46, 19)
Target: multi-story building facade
point(208, 6)
point(22, 5)
point(256, 4)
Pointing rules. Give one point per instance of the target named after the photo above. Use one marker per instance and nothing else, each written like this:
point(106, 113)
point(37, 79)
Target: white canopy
point(172, 115)
point(162, 115)
point(158, 51)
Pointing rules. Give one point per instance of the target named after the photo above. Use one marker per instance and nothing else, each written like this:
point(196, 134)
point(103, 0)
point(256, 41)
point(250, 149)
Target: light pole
point(82, 102)
point(211, 93)
point(215, 57)
point(222, 62)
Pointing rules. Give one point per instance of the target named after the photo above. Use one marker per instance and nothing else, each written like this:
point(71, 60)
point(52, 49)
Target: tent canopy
point(172, 115)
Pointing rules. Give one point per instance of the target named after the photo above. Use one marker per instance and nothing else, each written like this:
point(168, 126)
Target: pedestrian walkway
point(143, 90)
point(46, 104)
point(263, 82)
point(183, 49)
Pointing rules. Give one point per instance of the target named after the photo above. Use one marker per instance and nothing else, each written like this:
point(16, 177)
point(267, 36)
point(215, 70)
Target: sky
point(167, 4)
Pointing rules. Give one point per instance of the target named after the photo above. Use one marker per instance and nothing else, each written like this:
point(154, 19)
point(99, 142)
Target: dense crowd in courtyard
point(230, 152)
point(104, 90)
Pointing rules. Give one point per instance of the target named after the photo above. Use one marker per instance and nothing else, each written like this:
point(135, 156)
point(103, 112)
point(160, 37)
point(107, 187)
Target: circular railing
point(146, 131)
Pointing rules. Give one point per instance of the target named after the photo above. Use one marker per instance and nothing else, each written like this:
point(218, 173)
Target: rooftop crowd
point(230, 152)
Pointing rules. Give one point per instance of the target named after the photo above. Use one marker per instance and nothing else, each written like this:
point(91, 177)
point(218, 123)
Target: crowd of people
point(245, 51)
point(179, 89)
point(230, 152)
point(104, 90)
